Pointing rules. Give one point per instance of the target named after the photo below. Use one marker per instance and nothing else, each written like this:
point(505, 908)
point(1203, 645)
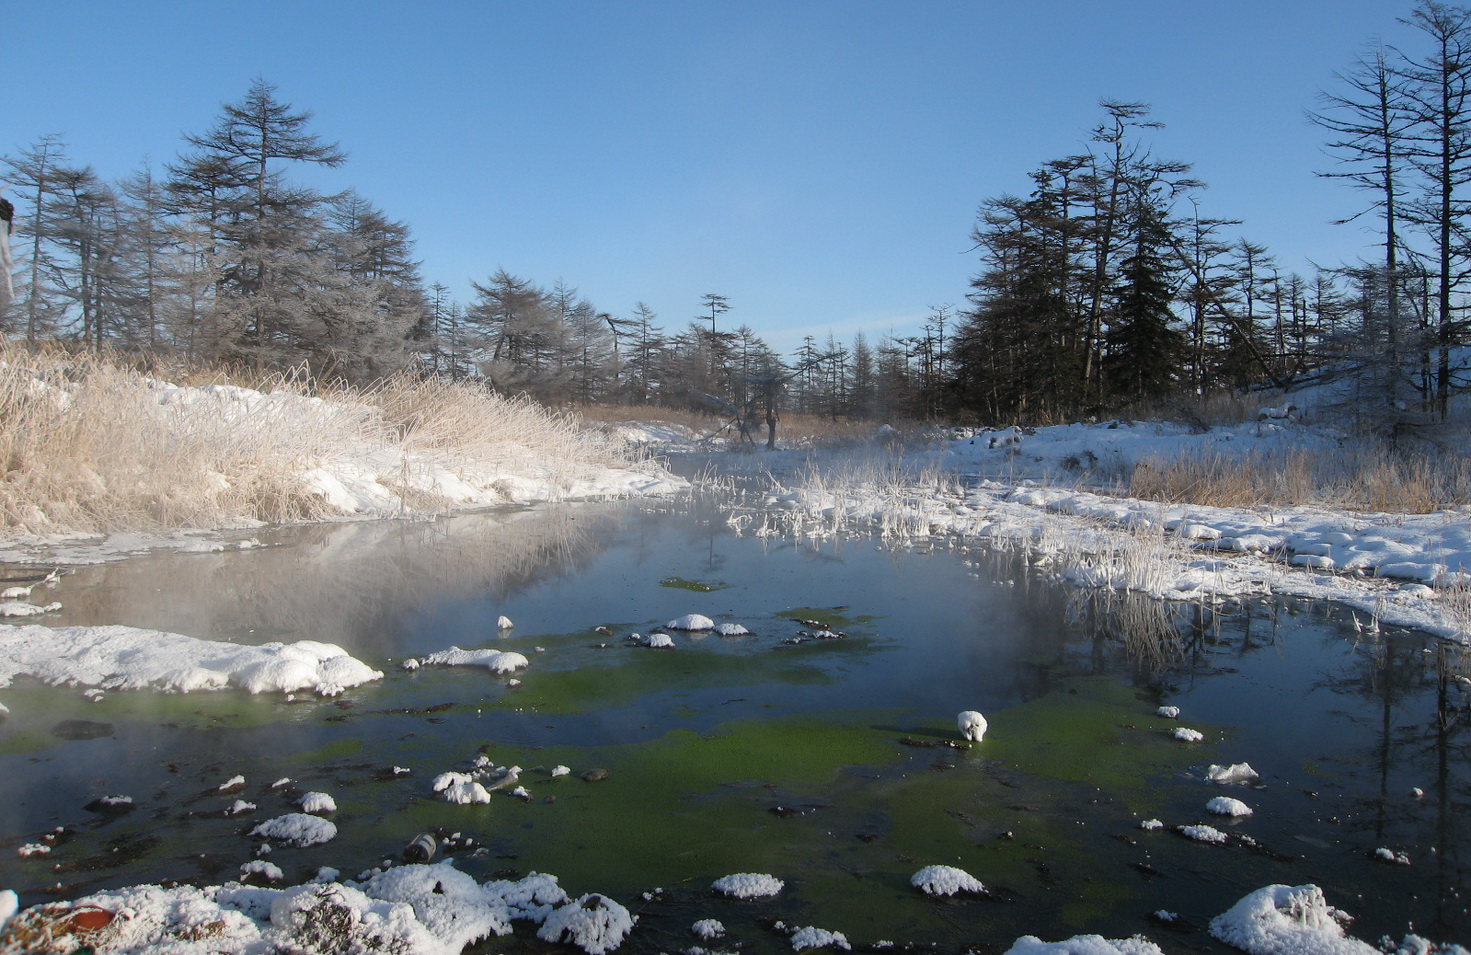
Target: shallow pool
point(832, 763)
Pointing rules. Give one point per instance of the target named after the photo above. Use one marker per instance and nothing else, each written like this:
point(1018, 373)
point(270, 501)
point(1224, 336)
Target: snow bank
point(130, 658)
point(1287, 920)
point(984, 486)
point(427, 910)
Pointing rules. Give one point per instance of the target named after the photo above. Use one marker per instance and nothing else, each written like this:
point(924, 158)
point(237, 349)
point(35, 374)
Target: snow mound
point(661, 641)
point(1287, 920)
point(118, 657)
point(1187, 735)
point(1085, 945)
point(705, 928)
point(497, 661)
point(339, 918)
point(1226, 806)
point(594, 923)
point(448, 903)
point(731, 630)
point(748, 885)
point(297, 828)
point(972, 725)
point(812, 937)
point(315, 802)
point(1235, 773)
point(691, 621)
point(262, 868)
point(1168, 712)
point(1203, 834)
point(460, 788)
point(945, 880)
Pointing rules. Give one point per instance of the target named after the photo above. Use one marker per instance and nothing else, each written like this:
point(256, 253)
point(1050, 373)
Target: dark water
point(824, 762)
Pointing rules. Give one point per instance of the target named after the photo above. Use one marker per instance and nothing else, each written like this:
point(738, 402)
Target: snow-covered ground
point(434, 909)
point(1015, 487)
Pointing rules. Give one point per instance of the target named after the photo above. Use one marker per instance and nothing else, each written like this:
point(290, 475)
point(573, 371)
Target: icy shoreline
point(1406, 570)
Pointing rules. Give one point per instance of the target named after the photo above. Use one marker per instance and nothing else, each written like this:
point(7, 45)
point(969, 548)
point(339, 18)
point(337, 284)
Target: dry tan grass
point(89, 444)
point(1373, 480)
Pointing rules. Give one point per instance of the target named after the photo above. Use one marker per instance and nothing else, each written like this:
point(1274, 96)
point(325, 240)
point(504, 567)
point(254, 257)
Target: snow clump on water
point(691, 621)
point(708, 928)
point(660, 641)
point(594, 923)
point(496, 661)
point(460, 788)
point(262, 868)
point(813, 937)
point(748, 885)
point(297, 828)
point(1281, 918)
point(945, 880)
point(731, 630)
point(1203, 834)
point(1187, 735)
point(1226, 806)
point(315, 802)
point(1235, 773)
point(972, 725)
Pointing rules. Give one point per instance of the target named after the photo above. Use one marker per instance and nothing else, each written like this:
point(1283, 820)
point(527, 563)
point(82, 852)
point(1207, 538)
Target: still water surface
point(824, 762)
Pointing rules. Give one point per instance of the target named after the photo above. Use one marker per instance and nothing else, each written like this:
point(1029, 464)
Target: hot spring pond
point(833, 764)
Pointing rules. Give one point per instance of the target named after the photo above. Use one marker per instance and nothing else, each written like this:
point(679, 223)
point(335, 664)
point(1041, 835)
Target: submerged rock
point(82, 729)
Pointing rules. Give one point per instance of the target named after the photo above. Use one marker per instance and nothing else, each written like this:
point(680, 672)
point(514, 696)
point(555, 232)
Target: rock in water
point(421, 848)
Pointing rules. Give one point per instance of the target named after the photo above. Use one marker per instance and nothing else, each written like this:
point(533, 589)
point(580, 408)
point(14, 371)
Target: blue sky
point(820, 163)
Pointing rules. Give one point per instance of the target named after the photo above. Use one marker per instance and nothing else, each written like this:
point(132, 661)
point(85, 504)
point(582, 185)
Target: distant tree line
point(219, 257)
point(1106, 288)
point(1103, 290)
